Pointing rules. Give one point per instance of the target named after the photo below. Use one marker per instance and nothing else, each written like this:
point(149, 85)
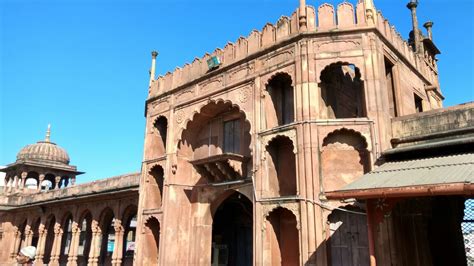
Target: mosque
point(319, 140)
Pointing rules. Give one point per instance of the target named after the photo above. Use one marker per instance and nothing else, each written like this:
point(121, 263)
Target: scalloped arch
point(345, 131)
point(290, 134)
point(198, 111)
point(328, 64)
point(277, 73)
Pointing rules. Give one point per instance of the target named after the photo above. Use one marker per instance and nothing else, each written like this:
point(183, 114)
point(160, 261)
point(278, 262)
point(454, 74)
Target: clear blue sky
point(83, 65)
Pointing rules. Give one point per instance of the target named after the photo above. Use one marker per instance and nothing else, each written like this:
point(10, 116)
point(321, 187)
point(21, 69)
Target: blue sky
point(83, 65)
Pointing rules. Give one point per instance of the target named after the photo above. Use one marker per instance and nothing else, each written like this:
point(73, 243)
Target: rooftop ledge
point(326, 20)
point(128, 182)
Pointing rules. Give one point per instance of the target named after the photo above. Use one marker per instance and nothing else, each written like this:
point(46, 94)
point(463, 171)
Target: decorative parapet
point(325, 19)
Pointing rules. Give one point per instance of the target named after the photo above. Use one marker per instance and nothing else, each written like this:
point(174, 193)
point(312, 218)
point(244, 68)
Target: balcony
point(226, 167)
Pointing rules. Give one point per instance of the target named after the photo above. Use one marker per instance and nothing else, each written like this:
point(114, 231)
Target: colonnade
point(67, 242)
point(17, 182)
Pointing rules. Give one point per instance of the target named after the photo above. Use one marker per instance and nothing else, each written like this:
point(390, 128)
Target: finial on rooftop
point(154, 54)
point(412, 5)
point(428, 26)
point(302, 15)
point(48, 134)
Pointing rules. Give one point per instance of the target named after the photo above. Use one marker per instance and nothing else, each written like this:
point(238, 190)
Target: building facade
point(242, 144)
point(248, 154)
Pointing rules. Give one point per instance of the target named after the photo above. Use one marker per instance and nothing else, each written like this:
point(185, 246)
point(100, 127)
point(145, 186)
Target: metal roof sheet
point(429, 171)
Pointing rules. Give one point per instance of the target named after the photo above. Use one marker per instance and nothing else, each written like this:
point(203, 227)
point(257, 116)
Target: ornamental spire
point(48, 134)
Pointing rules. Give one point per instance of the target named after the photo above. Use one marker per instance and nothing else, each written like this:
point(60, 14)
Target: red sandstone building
point(278, 149)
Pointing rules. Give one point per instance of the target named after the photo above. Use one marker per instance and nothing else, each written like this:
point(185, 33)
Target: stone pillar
point(8, 183)
point(72, 256)
point(28, 236)
point(73, 181)
point(94, 253)
point(16, 244)
point(57, 180)
point(16, 183)
point(42, 233)
point(40, 180)
point(23, 180)
point(56, 251)
point(118, 247)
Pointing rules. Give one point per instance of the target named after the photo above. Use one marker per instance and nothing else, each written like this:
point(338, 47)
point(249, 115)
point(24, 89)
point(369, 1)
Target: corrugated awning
point(447, 175)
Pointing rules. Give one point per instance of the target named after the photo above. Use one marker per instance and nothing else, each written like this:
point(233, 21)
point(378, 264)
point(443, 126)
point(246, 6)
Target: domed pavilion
point(40, 167)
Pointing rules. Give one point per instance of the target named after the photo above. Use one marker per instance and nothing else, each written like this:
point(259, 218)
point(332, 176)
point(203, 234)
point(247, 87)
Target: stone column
point(56, 251)
point(118, 247)
point(16, 183)
point(57, 180)
point(72, 256)
point(8, 184)
point(40, 180)
point(16, 244)
point(94, 253)
point(73, 181)
point(23, 180)
point(28, 235)
point(42, 232)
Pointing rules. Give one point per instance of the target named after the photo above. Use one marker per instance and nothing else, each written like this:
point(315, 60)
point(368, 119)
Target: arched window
point(152, 238)
point(282, 100)
point(161, 125)
point(342, 92)
point(281, 167)
point(155, 187)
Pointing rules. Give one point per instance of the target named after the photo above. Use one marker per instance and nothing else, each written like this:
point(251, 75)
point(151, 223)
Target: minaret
point(428, 26)
point(302, 15)
point(48, 134)
point(154, 54)
point(412, 5)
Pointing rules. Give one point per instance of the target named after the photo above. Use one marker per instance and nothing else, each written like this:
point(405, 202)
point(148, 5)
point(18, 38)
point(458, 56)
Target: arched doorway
point(152, 238)
point(232, 232)
point(282, 237)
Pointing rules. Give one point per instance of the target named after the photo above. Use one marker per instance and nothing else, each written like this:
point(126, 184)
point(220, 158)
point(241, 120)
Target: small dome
point(44, 151)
